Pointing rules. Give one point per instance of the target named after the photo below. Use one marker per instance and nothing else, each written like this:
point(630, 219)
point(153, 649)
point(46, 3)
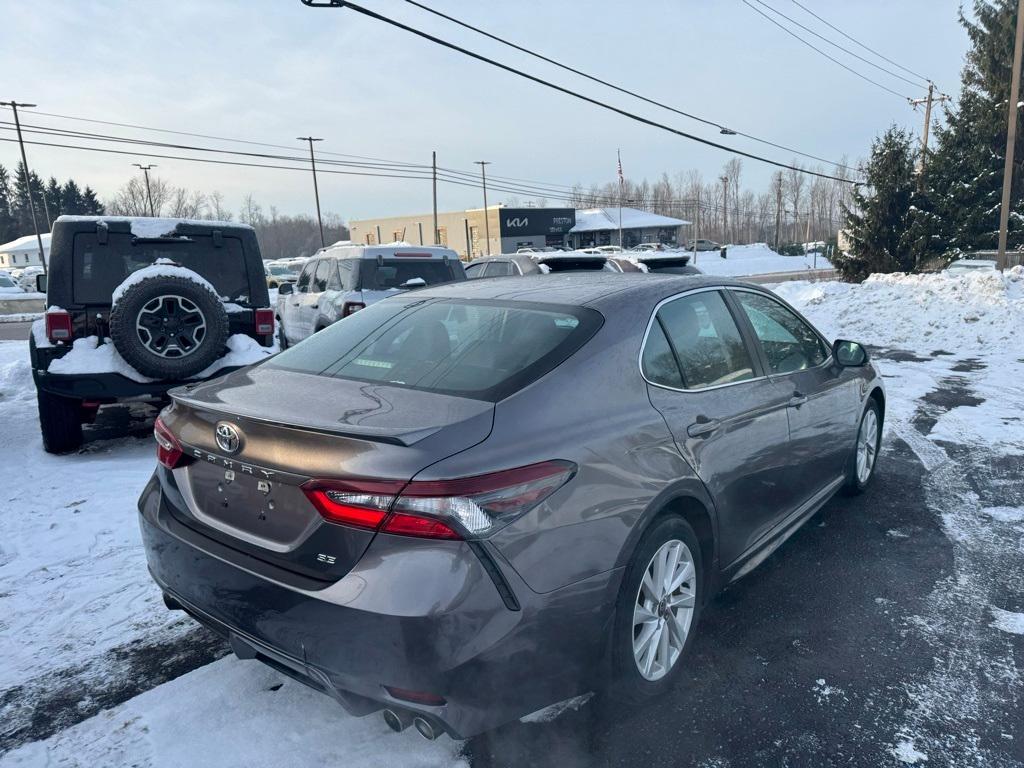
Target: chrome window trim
point(650, 323)
point(828, 362)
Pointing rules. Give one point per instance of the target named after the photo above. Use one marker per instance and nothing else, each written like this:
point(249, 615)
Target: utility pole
point(28, 177)
point(778, 210)
point(930, 99)
point(483, 177)
point(1011, 133)
point(696, 227)
point(433, 162)
point(149, 195)
point(725, 208)
point(316, 189)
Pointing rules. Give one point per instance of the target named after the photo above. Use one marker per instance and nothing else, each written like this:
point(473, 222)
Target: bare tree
point(133, 200)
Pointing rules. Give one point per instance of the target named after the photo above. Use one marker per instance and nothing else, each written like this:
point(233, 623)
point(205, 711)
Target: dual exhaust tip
point(398, 720)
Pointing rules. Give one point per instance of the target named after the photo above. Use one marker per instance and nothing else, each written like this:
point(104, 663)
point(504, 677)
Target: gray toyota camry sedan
point(465, 503)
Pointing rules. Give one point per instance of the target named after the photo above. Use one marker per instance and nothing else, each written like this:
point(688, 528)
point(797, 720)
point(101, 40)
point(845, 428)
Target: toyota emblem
point(228, 439)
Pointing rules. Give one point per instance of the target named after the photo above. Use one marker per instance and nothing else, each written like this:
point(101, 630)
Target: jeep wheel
point(169, 327)
point(60, 422)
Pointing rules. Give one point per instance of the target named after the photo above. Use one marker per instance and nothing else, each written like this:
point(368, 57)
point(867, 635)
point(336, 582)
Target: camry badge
point(227, 437)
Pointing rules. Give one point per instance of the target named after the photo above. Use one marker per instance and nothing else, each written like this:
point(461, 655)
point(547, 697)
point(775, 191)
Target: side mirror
point(284, 289)
point(413, 282)
point(849, 354)
point(41, 283)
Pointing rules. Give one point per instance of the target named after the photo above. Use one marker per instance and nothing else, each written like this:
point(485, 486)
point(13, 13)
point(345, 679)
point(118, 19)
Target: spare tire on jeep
point(168, 326)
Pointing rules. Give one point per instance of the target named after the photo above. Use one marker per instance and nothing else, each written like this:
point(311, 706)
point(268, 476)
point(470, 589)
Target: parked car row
point(517, 264)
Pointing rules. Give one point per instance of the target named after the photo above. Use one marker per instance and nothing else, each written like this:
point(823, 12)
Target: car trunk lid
point(282, 429)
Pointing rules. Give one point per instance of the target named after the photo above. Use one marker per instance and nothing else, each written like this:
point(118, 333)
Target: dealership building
point(466, 232)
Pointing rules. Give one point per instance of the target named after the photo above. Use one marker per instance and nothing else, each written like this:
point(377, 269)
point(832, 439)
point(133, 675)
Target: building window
point(442, 236)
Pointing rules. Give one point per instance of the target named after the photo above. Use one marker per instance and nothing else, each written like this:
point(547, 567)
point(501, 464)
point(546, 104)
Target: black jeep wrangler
point(165, 293)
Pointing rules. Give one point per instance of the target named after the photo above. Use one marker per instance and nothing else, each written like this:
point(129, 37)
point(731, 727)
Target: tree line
point(919, 211)
point(52, 199)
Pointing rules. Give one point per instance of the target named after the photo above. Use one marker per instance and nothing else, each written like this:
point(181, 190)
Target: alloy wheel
point(867, 445)
point(171, 326)
point(663, 611)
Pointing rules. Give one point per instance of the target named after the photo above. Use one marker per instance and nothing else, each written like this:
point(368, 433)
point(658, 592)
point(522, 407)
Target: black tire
point(60, 421)
point(854, 486)
point(148, 298)
point(627, 683)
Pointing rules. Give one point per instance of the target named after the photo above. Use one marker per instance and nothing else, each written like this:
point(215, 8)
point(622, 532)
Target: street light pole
point(149, 195)
point(1011, 133)
point(487, 224)
point(316, 189)
point(28, 178)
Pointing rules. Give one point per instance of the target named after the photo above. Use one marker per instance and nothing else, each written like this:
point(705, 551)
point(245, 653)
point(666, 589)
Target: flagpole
point(619, 155)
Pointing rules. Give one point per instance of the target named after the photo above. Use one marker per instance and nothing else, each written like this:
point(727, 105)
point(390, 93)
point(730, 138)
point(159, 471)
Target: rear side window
point(99, 269)
point(347, 274)
point(706, 341)
point(480, 349)
point(659, 361)
point(789, 343)
point(392, 273)
point(474, 271)
point(499, 269)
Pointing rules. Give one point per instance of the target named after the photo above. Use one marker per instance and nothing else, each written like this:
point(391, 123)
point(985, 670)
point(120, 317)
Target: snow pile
point(159, 268)
point(148, 226)
point(981, 312)
point(1008, 621)
point(89, 356)
point(754, 259)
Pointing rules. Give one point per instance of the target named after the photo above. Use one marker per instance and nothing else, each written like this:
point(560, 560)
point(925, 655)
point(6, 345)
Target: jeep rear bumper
point(106, 387)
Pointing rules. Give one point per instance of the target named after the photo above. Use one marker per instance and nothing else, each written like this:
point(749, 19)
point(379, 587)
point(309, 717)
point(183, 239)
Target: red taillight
point(362, 503)
point(351, 307)
point(58, 326)
point(264, 322)
point(439, 509)
point(168, 449)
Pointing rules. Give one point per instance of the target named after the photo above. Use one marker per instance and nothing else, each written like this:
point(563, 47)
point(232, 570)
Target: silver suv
point(340, 280)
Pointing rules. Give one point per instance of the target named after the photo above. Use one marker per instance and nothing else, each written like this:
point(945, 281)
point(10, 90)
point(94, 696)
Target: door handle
point(703, 426)
point(797, 400)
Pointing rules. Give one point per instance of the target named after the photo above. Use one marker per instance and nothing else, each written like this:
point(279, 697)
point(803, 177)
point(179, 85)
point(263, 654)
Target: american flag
point(622, 180)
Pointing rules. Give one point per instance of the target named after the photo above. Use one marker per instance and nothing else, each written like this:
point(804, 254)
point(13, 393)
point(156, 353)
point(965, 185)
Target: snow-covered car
point(341, 280)
point(646, 247)
point(278, 274)
point(137, 306)
point(27, 279)
point(7, 285)
point(965, 266)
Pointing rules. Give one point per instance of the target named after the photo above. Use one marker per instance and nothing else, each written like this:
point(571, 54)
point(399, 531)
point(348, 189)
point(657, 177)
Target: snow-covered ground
point(755, 259)
point(76, 600)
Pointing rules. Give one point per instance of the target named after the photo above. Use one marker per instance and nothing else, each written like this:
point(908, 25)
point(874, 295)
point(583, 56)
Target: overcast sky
point(271, 70)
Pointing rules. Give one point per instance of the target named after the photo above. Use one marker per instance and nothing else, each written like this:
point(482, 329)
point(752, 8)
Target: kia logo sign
point(523, 221)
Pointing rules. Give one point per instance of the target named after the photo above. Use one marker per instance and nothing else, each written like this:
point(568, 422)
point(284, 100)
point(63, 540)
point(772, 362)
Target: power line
point(879, 67)
point(561, 89)
point(858, 42)
point(813, 47)
point(722, 128)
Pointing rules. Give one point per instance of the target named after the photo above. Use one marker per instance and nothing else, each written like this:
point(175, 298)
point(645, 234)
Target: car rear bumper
point(412, 614)
point(106, 387)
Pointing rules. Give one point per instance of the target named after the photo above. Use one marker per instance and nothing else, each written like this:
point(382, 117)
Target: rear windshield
point(393, 272)
point(99, 269)
point(663, 264)
point(481, 349)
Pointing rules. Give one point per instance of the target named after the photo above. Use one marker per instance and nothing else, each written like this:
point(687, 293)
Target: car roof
point(437, 252)
point(578, 288)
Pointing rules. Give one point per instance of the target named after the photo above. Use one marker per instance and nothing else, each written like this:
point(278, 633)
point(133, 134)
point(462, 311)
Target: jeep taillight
point(351, 307)
point(264, 322)
point(168, 449)
point(58, 326)
point(440, 509)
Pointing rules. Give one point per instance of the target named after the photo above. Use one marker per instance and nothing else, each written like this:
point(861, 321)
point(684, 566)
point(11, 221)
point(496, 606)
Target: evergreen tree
point(91, 205)
point(52, 199)
point(71, 199)
point(8, 231)
point(965, 173)
point(883, 221)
